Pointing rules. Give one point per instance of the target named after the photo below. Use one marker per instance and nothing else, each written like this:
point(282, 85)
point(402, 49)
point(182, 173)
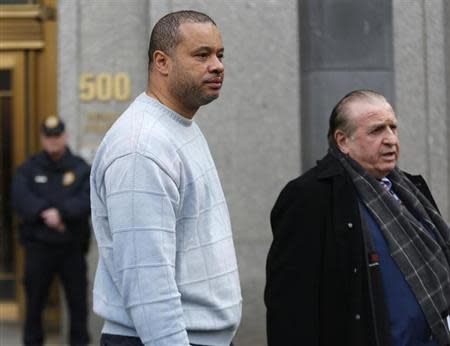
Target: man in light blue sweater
point(167, 273)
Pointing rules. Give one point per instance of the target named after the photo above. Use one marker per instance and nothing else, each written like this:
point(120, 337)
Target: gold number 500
point(104, 87)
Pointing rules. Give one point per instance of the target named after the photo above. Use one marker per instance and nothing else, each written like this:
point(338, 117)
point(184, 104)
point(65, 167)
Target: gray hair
point(339, 118)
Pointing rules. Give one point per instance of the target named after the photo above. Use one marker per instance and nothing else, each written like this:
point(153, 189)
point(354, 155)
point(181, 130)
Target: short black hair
point(339, 119)
point(166, 34)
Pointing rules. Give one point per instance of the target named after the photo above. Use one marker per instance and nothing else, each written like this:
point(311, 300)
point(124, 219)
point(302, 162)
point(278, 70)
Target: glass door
point(12, 152)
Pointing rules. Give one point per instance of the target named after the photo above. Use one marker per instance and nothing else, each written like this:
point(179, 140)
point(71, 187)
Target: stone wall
point(258, 129)
point(421, 84)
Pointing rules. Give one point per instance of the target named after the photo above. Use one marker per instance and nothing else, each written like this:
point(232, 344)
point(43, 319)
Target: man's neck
point(56, 156)
point(170, 103)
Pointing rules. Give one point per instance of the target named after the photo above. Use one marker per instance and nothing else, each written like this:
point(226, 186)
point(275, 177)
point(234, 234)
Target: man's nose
point(216, 65)
point(391, 137)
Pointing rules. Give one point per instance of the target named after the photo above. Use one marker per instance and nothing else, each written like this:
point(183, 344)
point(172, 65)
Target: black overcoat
point(317, 292)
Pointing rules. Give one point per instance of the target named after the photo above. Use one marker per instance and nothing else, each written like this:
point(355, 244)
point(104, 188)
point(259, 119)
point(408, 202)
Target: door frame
point(29, 48)
point(15, 62)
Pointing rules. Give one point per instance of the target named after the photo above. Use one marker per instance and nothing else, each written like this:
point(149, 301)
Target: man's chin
point(209, 98)
point(387, 169)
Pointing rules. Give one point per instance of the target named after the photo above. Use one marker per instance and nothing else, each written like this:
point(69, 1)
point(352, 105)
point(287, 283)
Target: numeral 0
point(104, 87)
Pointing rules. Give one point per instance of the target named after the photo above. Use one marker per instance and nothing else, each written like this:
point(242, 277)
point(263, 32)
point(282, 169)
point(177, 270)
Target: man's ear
point(341, 141)
point(161, 62)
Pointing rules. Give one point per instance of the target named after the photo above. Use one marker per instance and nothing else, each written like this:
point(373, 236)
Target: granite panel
point(348, 35)
point(438, 140)
point(410, 82)
point(421, 89)
point(113, 39)
point(446, 13)
point(68, 67)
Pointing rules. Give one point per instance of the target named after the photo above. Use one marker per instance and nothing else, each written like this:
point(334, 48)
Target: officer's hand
point(52, 218)
point(61, 227)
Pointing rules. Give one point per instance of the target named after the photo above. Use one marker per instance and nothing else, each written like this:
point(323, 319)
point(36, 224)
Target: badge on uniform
point(68, 178)
point(40, 179)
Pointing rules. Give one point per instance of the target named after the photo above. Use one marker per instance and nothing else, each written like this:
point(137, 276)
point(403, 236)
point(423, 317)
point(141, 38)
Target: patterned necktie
point(387, 185)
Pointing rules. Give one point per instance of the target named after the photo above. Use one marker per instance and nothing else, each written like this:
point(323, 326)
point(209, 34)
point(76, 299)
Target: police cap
point(52, 126)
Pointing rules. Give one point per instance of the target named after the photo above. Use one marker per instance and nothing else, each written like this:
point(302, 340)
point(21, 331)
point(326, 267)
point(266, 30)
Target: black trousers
point(42, 263)
point(122, 340)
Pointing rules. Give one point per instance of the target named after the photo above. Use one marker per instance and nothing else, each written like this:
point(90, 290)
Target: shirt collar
point(386, 182)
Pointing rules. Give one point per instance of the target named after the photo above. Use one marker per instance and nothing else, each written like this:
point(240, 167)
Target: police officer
point(50, 192)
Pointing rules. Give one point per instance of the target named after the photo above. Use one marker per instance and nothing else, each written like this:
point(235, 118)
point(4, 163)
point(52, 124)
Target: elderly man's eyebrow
point(382, 125)
point(378, 126)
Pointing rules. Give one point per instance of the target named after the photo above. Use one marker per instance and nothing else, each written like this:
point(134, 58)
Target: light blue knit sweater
point(167, 268)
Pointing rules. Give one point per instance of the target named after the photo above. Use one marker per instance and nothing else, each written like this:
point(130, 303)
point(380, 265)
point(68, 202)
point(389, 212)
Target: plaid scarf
point(417, 236)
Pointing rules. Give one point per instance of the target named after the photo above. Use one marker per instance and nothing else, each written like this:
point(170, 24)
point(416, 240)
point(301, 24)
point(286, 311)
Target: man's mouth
point(389, 155)
point(214, 83)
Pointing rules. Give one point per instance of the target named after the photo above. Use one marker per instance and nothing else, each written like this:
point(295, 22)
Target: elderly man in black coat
point(360, 255)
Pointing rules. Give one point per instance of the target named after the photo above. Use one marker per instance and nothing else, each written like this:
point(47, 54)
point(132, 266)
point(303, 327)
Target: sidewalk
point(11, 335)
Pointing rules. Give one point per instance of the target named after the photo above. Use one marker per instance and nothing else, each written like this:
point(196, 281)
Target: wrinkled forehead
point(371, 109)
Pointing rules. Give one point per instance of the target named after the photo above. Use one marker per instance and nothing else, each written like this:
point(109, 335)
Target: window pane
point(5, 80)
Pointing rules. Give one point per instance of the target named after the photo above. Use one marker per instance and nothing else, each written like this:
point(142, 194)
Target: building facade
point(287, 63)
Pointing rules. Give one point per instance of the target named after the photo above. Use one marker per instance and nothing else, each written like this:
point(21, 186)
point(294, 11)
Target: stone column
point(421, 61)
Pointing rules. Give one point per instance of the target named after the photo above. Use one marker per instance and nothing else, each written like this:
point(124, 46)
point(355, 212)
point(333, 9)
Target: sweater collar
point(166, 110)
